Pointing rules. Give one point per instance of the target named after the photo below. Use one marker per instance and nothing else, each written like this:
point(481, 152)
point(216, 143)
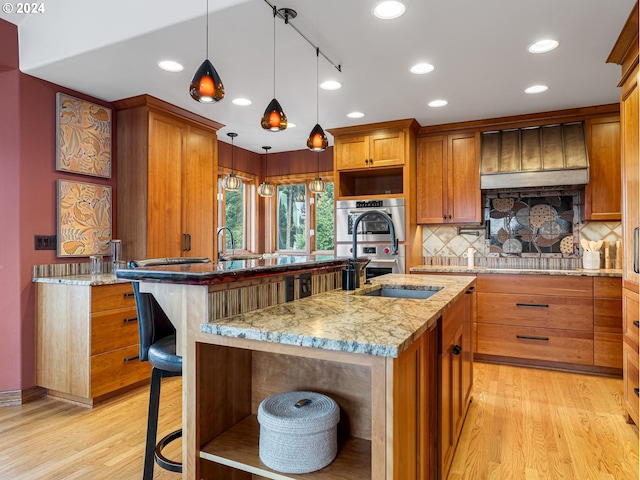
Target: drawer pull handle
point(529, 337)
point(636, 323)
point(636, 391)
point(128, 294)
point(537, 305)
point(131, 359)
point(129, 320)
point(457, 349)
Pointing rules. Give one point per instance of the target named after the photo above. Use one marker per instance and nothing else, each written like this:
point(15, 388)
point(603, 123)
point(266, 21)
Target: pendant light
point(266, 189)
point(231, 182)
point(317, 140)
point(274, 118)
point(206, 86)
point(318, 185)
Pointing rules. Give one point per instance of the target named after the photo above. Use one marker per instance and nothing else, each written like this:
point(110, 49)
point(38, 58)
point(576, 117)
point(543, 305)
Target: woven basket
point(298, 436)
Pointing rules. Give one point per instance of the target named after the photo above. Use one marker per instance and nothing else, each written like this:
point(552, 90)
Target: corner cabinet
point(625, 54)
point(448, 179)
point(167, 164)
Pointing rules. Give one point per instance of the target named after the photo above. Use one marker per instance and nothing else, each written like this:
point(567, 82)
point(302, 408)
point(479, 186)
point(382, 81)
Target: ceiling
point(479, 49)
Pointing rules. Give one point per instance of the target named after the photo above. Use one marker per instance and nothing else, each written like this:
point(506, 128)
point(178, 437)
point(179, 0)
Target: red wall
point(27, 205)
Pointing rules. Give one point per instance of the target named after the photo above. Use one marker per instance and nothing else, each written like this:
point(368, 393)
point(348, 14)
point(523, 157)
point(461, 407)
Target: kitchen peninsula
point(386, 362)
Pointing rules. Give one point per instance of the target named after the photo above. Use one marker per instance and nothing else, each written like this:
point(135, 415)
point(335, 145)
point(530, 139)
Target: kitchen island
point(377, 357)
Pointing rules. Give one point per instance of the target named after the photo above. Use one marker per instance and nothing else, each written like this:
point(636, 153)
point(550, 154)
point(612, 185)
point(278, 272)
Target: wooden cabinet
point(455, 375)
point(625, 54)
point(603, 199)
point(379, 149)
point(448, 179)
point(167, 167)
point(87, 340)
point(607, 322)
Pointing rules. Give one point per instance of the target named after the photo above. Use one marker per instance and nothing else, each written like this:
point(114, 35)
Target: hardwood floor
point(532, 424)
point(523, 423)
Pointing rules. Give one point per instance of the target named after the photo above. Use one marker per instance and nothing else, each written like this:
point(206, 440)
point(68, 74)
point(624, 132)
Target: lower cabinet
point(87, 340)
point(455, 375)
point(630, 354)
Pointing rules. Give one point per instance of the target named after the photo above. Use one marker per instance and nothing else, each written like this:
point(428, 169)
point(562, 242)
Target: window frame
point(250, 183)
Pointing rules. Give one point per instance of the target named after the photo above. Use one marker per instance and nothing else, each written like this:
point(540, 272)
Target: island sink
point(395, 292)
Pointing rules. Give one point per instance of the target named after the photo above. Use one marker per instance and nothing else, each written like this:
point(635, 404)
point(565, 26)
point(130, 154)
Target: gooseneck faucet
point(220, 229)
point(354, 245)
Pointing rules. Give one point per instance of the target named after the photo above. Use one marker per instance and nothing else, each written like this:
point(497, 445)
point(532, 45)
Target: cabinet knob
point(636, 323)
point(457, 349)
point(636, 391)
point(366, 161)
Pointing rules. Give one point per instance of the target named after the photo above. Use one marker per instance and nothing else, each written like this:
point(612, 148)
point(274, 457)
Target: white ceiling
point(109, 50)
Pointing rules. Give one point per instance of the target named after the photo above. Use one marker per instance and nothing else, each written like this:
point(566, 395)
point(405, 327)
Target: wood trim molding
point(409, 123)
point(20, 397)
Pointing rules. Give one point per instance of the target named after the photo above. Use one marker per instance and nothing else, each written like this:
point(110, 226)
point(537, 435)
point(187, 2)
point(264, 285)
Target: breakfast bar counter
point(375, 356)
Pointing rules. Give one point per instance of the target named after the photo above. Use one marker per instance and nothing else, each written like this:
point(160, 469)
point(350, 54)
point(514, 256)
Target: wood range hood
point(541, 156)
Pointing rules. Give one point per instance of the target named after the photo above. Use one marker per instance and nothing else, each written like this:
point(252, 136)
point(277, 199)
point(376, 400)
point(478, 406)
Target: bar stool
point(158, 347)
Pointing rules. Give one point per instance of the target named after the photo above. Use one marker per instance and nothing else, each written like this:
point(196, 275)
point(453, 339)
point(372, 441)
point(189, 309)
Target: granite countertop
point(347, 320)
point(230, 270)
point(581, 272)
point(90, 280)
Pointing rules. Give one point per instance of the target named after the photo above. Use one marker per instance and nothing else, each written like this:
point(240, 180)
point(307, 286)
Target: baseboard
point(562, 367)
point(20, 397)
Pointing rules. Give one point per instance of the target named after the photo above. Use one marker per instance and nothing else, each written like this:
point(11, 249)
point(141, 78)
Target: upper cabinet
point(375, 159)
point(167, 164)
point(603, 193)
point(448, 179)
point(380, 149)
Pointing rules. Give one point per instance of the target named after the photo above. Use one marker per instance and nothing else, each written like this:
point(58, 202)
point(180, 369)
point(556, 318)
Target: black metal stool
point(158, 347)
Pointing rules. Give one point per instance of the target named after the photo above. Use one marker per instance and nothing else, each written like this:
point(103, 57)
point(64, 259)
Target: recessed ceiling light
point(543, 46)
point(537, 89)
point(388, 10)
point(437, 103)
point(243, 102)
point(421, 68)
point(330, 85)
point(291, 125)
point(355, 115)
point(170, 66)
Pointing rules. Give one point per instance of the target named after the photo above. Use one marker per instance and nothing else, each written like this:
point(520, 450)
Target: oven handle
point(362, 210)
point(383, 260)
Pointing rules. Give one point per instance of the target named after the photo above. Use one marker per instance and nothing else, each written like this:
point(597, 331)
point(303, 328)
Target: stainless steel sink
point(421, 293)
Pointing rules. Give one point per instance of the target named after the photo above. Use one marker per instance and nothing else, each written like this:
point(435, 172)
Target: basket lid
point(299, 411)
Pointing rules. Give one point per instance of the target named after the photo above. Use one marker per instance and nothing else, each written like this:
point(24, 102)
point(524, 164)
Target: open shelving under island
point(379, 357)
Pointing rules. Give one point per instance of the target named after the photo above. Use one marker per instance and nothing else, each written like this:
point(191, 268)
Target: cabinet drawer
point(630, 317)
point(113, 329)
point(111, 371)
point(631, 382)
point(607, 287)
point(536, 285)
point(548, 344)
point(107, 297)
point(571, 313)
point(607, 315)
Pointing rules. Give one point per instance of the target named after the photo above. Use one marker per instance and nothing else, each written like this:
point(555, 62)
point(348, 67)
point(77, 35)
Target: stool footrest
point(163, 461)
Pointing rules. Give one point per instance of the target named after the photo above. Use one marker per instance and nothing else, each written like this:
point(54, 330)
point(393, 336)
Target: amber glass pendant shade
point(231, 182)
point(206, 86)
point(266, 189)
point(274, 118)
point(317, 185)
point(317, 140)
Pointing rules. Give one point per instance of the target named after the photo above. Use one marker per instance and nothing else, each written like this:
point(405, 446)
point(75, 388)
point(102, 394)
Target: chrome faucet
point(354, 246)
point(220, 229)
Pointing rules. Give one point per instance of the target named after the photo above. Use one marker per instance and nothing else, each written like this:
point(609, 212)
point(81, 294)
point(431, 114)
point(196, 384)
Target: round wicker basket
point(298, 431)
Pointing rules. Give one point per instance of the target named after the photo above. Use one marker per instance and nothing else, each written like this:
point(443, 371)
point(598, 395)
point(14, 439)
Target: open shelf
point(374, 181)
point(238, 448)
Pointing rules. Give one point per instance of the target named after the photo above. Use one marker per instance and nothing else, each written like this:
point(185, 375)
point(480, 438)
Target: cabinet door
point(463, 172)
point(386, 149)
point(198, 198)
point(630, 189)
point(351, 152)
point(431, 178)
point(446, 441)
point(603, 193)
point(166, 153)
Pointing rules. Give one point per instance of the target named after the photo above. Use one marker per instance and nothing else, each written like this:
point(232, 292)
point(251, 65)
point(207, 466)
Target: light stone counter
point(349, 321)
point(91, 280)
point(581, 272)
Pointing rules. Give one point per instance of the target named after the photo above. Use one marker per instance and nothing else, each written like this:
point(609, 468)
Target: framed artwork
point(84, 219)
point(83, 137)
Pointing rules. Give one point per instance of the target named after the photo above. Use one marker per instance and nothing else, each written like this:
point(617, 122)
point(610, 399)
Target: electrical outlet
point(305, 285)
point(289, 282)
point(44, 242)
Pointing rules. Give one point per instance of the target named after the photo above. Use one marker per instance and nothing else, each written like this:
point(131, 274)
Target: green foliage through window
point(325, 219)
point(234, 217)
point(292, 217)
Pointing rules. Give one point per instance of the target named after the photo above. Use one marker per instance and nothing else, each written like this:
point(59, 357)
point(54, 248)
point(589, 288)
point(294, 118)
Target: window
point(292, 217)
point(236, 210)
point(325, 221)
point(234, 218)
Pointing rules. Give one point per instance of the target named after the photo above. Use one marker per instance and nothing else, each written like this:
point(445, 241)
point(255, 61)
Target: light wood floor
point(523, 424)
